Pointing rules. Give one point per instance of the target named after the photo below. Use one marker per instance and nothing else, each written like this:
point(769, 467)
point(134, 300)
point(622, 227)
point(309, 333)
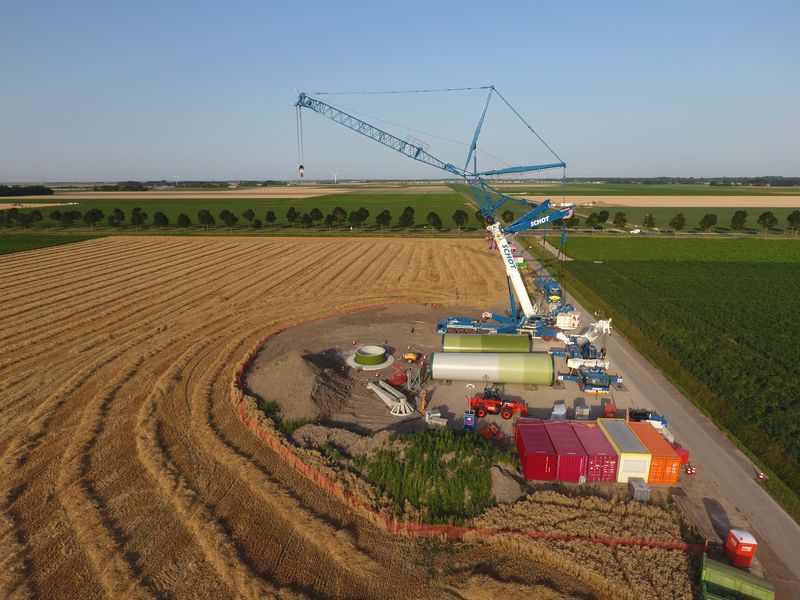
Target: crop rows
point(726, 312)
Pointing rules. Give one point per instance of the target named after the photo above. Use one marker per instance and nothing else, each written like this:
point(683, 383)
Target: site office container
point(537, 457)
point(570, 455)
point(634, 459)
point(665, 464)
point(601, 458)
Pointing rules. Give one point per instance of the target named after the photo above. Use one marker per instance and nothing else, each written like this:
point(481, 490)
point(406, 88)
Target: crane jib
point(488, 198)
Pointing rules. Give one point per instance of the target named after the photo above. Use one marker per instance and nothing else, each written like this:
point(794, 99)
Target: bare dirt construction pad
point(773, 201)
point(125, 470)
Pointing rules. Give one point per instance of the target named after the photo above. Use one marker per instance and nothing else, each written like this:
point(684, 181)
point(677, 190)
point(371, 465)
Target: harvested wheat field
point(125, 470)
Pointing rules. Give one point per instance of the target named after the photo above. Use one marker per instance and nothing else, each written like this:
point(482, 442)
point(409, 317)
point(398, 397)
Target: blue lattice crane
point(488, 199)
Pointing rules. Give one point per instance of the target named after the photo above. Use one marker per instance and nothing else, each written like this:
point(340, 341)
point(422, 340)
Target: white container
point(634, 459)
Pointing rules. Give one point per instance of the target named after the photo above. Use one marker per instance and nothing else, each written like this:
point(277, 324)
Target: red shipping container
point(601, 458)
point(536, 454)
point(570, 454)
point(740, 547)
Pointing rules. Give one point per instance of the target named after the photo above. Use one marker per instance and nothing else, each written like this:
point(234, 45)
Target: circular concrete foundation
point(370, 358)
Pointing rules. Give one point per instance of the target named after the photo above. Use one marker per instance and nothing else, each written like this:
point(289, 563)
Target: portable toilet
point(740, 547)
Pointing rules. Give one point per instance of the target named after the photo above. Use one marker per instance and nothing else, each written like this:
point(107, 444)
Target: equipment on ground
point(488, 198)
point(491, 432)
point(398, 378)
point(609, 410)
point(395, 401)
point(489, 402)
point(423, 400)
point(640, 415)
point(550, 290)
point(591, 380)
point(719, 581)
point(433, 418)
point(412, 357)
point(414, 379)
point(639, 489)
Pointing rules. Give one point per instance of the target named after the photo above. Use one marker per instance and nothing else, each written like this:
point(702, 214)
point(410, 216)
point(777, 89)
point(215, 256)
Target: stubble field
point(125, 470)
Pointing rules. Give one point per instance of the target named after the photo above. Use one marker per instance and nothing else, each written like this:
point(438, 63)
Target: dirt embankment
point(304, 385)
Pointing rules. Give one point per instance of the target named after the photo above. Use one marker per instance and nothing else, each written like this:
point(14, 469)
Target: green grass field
point(21, 241)
point(720, 318)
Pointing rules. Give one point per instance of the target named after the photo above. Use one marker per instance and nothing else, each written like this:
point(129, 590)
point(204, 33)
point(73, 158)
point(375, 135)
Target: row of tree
point(314, 217)
point(357, 218)
point(766, 220)
point(25, 190)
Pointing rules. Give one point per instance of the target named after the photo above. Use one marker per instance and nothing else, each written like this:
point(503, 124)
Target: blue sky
point(203, 90)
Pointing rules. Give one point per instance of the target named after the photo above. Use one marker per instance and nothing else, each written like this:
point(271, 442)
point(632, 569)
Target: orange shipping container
point(665, 463)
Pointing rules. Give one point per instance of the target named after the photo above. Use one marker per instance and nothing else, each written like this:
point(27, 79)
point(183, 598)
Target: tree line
point(25, 190)
point(766, 221)
point(356, 219)
point(138, 218)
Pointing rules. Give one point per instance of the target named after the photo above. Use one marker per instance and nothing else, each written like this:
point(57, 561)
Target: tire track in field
point(37, 286)
point(142, 269)
point(121, 337)
point(311, 536)
point(165, 278)
point(155, 583)
point(190, 296)
point(139, 428)
point(83, 331)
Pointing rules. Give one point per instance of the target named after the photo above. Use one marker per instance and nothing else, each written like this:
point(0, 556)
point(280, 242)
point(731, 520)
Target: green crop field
point(663, 215)
point(644, 189)
point(19, 242)
point(720, 317)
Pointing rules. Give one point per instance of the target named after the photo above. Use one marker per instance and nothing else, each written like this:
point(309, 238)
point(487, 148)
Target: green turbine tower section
point(452, 342)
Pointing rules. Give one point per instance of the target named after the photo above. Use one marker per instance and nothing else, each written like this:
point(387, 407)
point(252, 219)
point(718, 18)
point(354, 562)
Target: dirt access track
point(124, 469)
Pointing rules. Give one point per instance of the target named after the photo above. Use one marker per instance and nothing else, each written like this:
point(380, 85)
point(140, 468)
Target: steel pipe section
point(533, 368)
point(453, 342)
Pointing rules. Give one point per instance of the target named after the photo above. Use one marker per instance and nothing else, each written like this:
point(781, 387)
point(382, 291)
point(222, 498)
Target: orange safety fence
point(391, 524)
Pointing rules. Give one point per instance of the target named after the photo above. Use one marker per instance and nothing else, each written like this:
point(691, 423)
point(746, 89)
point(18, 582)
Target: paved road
point(717, 459)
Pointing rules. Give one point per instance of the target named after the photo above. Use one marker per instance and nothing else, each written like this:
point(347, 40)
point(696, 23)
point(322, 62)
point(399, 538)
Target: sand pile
point(302, 385)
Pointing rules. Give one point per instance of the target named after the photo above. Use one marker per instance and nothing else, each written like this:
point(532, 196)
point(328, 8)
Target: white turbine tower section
point(335, 175)
point(512, 271)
